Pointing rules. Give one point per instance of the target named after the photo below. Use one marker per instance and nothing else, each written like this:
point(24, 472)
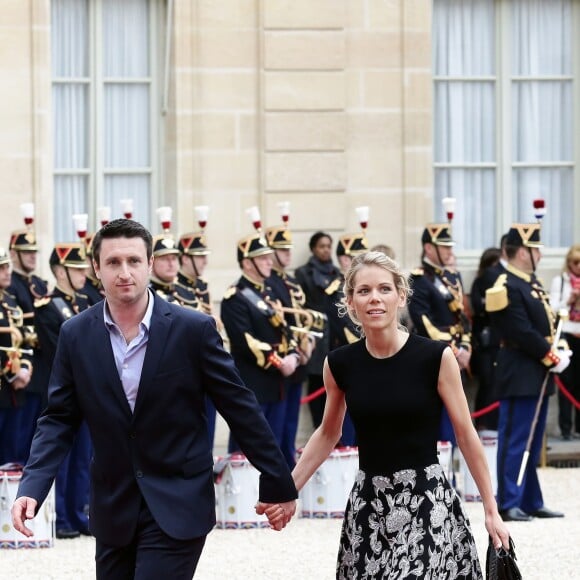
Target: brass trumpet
point(16, 350)
point(309, 322)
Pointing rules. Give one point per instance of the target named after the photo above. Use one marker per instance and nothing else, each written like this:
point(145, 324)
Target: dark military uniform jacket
point(93, 290)
point(484, 335)
point(436, 306)
point(12, 336)
point(50, 314)
point(288, 291)
point(258, 337)
point(175, 292)
point(322, 285)
point(520, 312)
point(27, 289)
point(199, 289)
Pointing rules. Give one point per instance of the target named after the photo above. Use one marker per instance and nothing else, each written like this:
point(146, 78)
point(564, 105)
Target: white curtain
point(542, 113)
point(70, 111)
point(127, 132)
point(122, 134)
point(465, 116)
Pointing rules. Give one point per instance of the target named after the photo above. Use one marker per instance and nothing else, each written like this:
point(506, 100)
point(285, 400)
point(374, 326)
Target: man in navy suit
point(137, 369)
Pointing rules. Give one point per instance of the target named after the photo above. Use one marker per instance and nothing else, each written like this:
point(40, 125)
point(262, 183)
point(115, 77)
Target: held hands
point(24, 508)
point(564, 356)
point(278, 514)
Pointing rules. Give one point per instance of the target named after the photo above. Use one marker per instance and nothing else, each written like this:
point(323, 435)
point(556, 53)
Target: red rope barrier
point(485, 410)
point(566, 392)
point(475, 414)
point(312, 396)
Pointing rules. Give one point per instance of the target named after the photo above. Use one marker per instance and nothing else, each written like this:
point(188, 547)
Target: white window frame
point(96, 172)
point(504, 164)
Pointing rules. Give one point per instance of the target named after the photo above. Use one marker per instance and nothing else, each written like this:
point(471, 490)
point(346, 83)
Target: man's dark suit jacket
point(160, 452)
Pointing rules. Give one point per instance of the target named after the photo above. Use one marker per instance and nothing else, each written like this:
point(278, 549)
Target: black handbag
point(501, 564)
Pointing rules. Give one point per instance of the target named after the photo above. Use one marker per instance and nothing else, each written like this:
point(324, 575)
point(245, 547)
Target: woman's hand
point(278, 514)
point(497, 531)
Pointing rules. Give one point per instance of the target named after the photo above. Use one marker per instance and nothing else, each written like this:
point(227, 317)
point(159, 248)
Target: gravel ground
point(307, 548)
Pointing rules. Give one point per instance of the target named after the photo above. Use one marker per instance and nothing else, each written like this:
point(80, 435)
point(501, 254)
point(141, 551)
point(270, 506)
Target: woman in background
point(565, 294)
point(485, 339)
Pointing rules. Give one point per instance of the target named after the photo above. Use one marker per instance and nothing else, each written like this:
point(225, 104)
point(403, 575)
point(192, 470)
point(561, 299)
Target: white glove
point(564, 356)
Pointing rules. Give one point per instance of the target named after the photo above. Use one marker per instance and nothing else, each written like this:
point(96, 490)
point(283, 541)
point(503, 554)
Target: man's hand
point(289, 364)
point(463, 357)
point(23, 509)
point(21, 380)
point(278, 514)
point(564, 356)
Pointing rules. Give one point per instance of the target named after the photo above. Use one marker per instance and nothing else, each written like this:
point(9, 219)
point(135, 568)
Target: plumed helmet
point(23, 241)
point(164, 244)
point(279, 238)
point(437, 234)
point(4, 257)
point(193, 244)
point(70, 255)
point(253, 246)
point(527, 235)
point(352, 245)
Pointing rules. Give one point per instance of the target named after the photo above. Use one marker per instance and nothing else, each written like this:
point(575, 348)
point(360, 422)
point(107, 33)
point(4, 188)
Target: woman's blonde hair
point(361, 261)
point(574, 250)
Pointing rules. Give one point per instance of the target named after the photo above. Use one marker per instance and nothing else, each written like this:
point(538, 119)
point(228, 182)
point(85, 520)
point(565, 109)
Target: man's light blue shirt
point(129, 357)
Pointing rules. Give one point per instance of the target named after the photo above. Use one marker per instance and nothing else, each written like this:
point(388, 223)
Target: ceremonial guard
point(349, 246)
point(520, 311)
point(93, 289)
point(322, 283)
point(193, 261)
point(436, 306)
point(484, 338)
point(305, 325)
point(69, 266)
point(166, 266)
point(15, 364)
point(27, 287)
point(261, 343)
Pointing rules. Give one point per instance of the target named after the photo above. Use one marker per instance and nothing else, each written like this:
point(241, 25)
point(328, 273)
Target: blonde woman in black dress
point(403, 519)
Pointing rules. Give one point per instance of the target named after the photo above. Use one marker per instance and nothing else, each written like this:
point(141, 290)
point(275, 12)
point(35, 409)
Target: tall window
point(504, 115)
point(104, 108)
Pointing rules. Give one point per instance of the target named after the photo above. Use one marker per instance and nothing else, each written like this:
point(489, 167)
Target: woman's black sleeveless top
point(393, 402)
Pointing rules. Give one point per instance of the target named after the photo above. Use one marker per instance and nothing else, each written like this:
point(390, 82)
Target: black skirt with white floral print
point(410, 524)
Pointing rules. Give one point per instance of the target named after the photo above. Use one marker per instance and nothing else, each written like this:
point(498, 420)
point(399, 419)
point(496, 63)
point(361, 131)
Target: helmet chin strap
point(22, 268)
point(69, 280)
point(193, 266)
point(258, 269)
point(439, 256)
point(278, 260)
point(532, 259)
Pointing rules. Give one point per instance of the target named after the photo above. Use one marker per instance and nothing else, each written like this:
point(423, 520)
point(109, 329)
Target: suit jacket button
point(133, 435)
point(139, 473)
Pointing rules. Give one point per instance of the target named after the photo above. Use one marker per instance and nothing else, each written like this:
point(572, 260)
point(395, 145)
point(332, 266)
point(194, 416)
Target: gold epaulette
point(40, 302)
point(230, 292)
point(417, 272)
point(162, 294)
point(496, 297)
point(350, 336)
point(333, 287)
